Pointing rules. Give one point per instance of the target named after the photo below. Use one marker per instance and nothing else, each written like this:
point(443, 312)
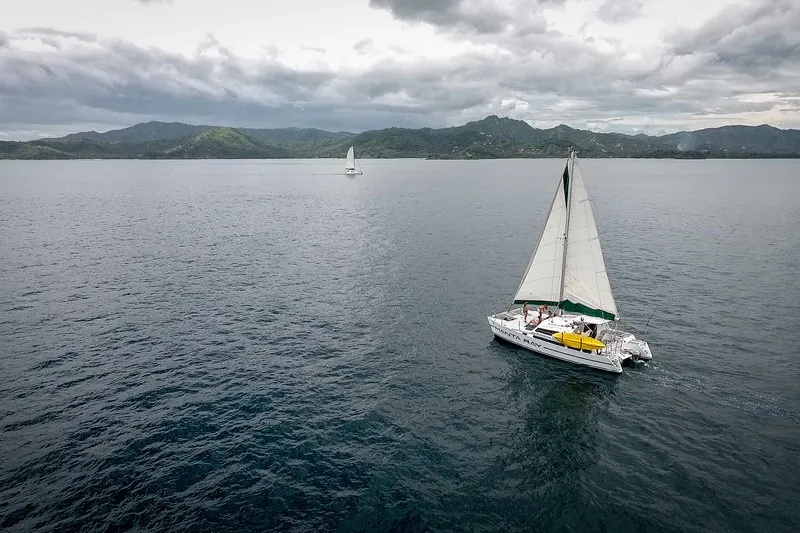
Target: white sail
point(586, 285)
point(351, 160)
point(542, 280)
point(567, 269)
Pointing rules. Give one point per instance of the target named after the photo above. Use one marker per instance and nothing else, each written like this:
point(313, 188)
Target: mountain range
point(490, 138)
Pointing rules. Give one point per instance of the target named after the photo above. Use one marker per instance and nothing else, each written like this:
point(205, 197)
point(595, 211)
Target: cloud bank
point(741, 65)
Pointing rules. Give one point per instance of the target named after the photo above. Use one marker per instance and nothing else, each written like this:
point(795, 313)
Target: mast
point(568, 194)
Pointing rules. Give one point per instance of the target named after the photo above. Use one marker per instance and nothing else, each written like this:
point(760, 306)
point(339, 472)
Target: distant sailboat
point(567, 272)
point(350, 167)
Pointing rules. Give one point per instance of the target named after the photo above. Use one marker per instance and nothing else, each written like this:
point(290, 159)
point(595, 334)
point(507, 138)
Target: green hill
point(492, 137)
point(19, 150)
point(223, 143)
point(161, 131)
point(296, 135)
point(216, 143)
point(495, 137)
point(146, 131)
point(737, 140)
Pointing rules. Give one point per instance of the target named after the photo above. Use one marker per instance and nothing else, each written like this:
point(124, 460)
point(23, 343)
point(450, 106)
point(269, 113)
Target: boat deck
point(555, 324)
point(617, 342)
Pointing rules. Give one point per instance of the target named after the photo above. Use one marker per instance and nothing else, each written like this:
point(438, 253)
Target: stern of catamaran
point(626, 345)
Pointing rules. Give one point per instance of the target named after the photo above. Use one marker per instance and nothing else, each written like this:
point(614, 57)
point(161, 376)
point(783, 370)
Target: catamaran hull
point(555, 350)
point(352, 173)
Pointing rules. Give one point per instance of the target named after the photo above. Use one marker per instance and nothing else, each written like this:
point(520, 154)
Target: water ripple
point(225, 346)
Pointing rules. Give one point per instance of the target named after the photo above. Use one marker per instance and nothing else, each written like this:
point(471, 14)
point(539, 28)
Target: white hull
point(509, 327)
point(351, 172)
point(556, 351)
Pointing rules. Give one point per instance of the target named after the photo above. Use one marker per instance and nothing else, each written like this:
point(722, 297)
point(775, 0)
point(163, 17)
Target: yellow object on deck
point(574, 340)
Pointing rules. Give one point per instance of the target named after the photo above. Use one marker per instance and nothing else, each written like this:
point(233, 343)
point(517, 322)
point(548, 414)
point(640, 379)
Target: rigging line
point(648, 320)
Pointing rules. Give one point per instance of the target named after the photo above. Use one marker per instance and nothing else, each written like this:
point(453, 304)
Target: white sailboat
point(350, 166)
point(573, 313)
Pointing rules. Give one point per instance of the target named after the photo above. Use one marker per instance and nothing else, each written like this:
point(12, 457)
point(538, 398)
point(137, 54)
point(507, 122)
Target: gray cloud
point(481, 17)
point(754, 49)
point(745, 50)
point(114, 81)
point(364, 45)
point(80, 79)
point(40, 33)
point(758, 37)
point(615, 11)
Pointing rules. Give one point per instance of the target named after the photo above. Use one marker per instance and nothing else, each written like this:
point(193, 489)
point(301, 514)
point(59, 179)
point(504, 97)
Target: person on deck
point(525, 313)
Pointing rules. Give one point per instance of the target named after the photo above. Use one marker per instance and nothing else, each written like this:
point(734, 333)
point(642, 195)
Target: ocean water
point(264, 345)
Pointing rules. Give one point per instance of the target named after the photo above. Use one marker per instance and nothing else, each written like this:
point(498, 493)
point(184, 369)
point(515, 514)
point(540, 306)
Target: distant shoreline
point(491, 138)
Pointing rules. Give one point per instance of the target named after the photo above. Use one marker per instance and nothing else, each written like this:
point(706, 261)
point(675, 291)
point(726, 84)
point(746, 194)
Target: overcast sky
point(608, 65)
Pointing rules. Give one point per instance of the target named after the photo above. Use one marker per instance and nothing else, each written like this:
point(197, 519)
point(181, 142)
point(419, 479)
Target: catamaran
point(575, 318)
point(350, 166)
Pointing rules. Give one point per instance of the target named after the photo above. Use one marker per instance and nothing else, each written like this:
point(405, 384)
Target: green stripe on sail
point(566, 305)
point(570, 307)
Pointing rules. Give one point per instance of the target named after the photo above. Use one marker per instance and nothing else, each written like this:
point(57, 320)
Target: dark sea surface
point(255, 345)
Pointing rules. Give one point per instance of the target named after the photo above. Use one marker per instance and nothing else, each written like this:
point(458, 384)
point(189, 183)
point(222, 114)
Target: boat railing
point(613, 348)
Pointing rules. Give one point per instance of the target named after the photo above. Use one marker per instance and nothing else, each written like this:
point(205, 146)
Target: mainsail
point(567, 267)
point(541, 283)
point(351, 160)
